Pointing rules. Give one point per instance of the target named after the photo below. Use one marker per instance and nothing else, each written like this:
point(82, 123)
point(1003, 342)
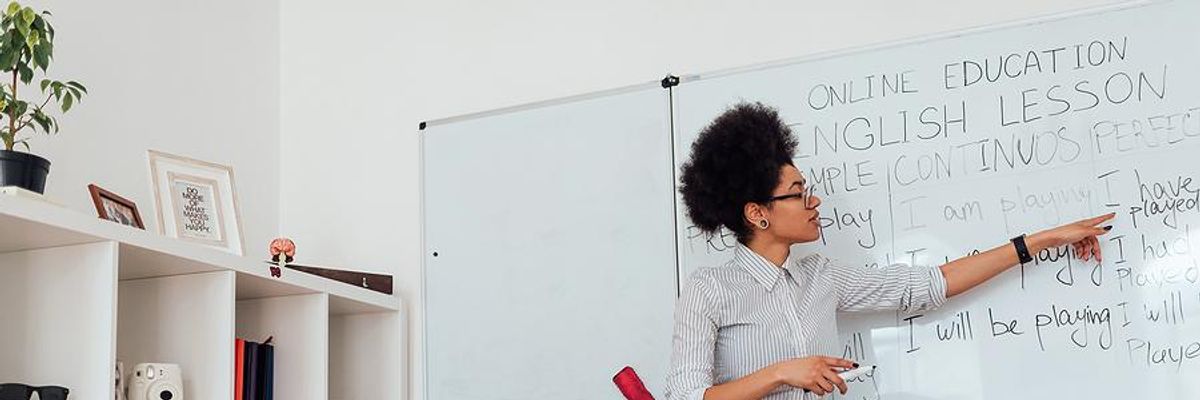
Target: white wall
point(187, 77)
point(358, 75)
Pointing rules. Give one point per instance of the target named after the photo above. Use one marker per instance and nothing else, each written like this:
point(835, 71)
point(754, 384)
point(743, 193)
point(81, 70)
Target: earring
point(764, 224)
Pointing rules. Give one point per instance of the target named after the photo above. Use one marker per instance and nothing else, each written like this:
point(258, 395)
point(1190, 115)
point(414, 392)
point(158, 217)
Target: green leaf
point(41, 56)
point(7, 59)
point(28, 15)
point(67, 102)
point(45, 82)
point(12, 40)
point(43, 121)
point(26, 73)
point(77, 85)
point(13, 8)
point(76, 93)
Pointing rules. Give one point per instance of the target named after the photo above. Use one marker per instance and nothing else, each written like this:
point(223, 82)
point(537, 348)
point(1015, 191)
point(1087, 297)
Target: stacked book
point(254, 366)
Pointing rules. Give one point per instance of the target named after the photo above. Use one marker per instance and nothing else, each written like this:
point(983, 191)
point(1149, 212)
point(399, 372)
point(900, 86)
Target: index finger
point(839, 362)
point(1097, 220)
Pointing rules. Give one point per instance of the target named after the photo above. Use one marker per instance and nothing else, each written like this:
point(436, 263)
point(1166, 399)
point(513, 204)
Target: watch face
point(1022, 250)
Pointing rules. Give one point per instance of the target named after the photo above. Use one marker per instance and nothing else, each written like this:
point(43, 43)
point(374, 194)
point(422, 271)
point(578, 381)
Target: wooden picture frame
point(196, 201)
point(111, 206)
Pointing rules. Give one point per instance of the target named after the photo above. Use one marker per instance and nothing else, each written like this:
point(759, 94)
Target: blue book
point(268, 369)
point(253, 371)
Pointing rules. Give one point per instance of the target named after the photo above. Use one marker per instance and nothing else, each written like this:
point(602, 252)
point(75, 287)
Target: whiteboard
point(922, 157)
point(550, 259)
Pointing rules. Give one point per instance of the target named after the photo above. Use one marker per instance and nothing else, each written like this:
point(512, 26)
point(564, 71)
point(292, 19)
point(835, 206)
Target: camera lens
point(165, 395)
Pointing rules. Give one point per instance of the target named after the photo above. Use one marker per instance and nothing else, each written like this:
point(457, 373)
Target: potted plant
point(27, 44)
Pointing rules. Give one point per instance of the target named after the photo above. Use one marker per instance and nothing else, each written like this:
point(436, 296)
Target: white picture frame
point(196, 201)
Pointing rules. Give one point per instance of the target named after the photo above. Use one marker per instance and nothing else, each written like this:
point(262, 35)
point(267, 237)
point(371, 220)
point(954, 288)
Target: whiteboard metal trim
point(675, 200)
point(423, 310)
point(543, 103)
point(1130, 4)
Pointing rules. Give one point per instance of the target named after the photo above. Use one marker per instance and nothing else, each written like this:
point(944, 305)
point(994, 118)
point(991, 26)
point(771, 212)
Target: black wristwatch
point(1022, 249)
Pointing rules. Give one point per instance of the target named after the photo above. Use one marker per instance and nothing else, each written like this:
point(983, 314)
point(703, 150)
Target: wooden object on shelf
point(378, 282)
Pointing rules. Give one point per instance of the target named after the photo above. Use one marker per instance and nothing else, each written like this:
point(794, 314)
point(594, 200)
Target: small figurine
point(283, 251)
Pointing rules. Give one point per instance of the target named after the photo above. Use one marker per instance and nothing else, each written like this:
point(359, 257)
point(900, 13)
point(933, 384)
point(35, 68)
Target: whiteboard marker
point(853, 373)
point(857, 372)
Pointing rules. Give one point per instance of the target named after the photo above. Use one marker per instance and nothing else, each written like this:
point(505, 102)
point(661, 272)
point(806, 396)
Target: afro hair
point(736, 160)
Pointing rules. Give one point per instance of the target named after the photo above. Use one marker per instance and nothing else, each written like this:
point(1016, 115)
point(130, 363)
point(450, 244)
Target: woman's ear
point(753, 213)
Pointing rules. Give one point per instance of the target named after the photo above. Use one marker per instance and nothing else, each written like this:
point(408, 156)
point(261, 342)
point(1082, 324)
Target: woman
point(763, 325)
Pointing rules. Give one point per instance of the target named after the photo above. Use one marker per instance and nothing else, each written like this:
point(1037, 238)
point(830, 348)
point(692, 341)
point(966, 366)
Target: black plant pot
point(23, 170)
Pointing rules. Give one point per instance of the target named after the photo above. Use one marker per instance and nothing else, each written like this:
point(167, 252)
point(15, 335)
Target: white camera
point(151, 381)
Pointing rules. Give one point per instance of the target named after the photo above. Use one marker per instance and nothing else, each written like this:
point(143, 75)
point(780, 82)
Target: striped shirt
point(733, 320)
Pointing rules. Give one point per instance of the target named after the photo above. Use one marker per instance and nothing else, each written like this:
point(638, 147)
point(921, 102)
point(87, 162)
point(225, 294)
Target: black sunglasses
point(19, 391)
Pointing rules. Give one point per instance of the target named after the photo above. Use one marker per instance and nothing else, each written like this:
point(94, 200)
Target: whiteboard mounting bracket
point(670, 81)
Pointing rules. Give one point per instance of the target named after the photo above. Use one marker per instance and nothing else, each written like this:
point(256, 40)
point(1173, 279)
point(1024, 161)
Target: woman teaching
point(763, 325)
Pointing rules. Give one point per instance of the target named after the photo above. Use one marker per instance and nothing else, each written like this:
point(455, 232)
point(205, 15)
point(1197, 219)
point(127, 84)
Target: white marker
point(853, 373)
point(857, 372)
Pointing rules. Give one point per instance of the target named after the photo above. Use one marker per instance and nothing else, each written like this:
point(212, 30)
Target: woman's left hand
point(1081, 235)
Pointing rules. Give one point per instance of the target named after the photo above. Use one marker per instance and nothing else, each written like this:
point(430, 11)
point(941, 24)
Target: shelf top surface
point(27, 224)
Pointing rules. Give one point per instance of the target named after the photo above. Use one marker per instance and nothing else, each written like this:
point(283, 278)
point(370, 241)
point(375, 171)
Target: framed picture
point(115, 208)
point(196, 201)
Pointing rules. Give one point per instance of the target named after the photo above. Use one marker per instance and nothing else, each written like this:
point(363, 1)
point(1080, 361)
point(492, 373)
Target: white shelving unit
point(78, 293)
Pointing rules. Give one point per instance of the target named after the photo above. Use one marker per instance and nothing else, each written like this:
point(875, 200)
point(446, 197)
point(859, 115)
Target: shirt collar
point(762, 270)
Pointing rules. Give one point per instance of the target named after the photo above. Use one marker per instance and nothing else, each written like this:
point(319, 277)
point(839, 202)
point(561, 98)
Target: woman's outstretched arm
point(967, 272)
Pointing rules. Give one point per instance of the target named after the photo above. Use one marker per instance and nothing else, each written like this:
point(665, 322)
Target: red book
point(239, 370)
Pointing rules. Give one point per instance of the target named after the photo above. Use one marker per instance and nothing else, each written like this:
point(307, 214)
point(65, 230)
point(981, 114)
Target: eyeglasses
point(805, 195)
point(19, 391)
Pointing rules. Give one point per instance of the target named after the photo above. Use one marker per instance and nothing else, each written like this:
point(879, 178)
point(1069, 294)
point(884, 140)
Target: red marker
point(631, 385)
